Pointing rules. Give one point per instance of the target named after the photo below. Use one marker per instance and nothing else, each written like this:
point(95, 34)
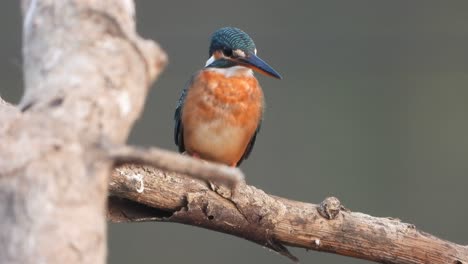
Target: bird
point(220, 110)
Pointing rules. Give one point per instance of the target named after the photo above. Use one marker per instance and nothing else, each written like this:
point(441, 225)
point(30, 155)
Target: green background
point(372, 109)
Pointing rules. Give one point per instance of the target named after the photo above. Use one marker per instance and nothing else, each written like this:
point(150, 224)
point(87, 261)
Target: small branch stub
point(330, 208)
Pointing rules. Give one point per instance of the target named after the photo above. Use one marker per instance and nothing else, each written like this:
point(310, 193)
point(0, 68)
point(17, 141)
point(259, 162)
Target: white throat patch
point(230, 71)
point(233, 71)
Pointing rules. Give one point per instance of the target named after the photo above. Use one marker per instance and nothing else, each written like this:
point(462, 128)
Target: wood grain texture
point(272, 221)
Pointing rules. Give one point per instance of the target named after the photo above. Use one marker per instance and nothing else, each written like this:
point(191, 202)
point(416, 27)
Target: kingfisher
point(219, 113)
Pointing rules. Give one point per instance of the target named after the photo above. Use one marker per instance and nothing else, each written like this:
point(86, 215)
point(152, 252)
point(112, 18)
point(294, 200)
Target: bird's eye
point(227, 52)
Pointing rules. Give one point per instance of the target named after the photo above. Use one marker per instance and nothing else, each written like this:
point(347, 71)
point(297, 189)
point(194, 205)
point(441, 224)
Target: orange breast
point(220, 115)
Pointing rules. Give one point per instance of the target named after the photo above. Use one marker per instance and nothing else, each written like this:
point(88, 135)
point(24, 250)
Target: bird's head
point(233, 47)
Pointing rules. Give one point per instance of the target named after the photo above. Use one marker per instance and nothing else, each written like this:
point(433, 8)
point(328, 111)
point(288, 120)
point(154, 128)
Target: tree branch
point(170, 161)
point(142, 193)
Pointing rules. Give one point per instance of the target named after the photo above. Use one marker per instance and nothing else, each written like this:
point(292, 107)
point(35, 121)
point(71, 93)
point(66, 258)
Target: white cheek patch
point(210, 60)
point(239, 53)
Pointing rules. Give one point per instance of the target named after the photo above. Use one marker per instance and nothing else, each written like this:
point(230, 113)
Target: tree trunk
point(86, 76)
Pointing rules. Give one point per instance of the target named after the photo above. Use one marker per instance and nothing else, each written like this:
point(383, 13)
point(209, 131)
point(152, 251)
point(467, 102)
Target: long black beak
point(257, 64)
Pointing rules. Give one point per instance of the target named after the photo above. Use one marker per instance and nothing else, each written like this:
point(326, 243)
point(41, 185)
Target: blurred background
point(372, 109)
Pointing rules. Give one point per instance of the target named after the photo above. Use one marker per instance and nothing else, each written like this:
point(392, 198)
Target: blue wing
point(251, 144)
point(178, 126)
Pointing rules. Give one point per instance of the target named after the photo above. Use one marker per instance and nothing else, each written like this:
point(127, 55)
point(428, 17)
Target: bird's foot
point(221, 189)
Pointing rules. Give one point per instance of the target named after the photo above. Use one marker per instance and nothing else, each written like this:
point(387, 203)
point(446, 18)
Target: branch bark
point(141, 193)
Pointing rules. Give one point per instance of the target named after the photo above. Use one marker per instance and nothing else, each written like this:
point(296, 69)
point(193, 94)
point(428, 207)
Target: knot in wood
point(330, 208)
